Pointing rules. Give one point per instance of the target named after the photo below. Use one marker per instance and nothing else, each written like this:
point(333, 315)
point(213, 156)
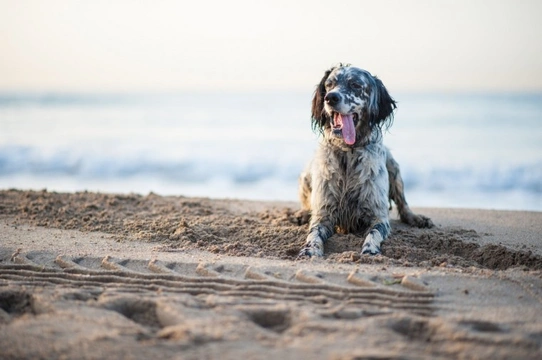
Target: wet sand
point(91, 275)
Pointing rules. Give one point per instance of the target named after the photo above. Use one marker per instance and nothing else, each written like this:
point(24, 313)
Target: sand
point(94, 276)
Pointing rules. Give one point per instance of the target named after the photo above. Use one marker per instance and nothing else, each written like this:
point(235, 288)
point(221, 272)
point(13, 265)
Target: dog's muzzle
point(344, 125)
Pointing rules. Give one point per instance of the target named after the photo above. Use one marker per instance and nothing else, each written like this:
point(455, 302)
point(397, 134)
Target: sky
point(252, 45)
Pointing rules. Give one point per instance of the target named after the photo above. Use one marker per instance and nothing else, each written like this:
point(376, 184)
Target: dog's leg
point(373, 240)
point(397, 194)
point(305, 190)
point(321, 229)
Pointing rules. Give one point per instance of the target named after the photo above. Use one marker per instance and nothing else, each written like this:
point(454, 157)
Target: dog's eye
point(355, 85)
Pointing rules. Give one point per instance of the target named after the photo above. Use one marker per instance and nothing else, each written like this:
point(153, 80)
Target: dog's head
point(349, 104)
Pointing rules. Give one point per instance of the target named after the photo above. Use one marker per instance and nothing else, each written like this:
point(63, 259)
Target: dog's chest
point(356, 173)
point(356, 183)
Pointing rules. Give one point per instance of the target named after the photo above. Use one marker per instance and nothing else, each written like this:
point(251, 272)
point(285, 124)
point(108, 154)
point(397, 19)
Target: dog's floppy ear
point(319, 117)
point(382, 105)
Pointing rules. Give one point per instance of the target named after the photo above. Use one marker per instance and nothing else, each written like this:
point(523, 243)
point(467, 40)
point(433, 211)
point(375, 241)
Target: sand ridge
point(244, 228)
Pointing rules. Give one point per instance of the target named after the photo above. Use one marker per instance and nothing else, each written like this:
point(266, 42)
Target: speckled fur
point(348, 188)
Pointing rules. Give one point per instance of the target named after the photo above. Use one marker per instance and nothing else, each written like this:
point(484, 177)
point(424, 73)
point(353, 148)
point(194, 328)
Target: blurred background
point(212, 98)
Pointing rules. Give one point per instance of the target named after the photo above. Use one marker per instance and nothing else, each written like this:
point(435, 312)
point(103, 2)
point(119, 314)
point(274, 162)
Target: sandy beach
point(94, 276)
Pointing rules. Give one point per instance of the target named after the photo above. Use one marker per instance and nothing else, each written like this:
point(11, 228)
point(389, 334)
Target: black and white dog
point(350, 183)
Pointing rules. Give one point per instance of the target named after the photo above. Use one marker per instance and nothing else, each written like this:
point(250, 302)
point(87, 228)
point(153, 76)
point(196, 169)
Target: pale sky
point(128, 45)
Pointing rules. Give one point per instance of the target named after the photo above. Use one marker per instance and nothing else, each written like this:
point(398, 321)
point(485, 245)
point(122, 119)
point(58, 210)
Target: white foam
point(452, 151)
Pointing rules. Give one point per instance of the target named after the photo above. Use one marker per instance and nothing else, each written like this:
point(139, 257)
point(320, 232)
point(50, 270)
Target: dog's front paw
point(309, 251)
point(313, 247)
point(305, 253)
point(370, 249)
point(372, 242)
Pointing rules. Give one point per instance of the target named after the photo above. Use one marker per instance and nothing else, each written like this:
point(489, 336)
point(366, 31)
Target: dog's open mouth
point(345, 125)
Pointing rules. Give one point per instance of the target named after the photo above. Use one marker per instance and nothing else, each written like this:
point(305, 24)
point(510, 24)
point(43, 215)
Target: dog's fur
point(349, 187)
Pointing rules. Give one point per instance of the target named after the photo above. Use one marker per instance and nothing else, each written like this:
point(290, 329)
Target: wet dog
point(352, 179)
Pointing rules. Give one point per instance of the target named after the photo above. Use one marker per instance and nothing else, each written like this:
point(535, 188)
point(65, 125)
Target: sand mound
point(244, 228)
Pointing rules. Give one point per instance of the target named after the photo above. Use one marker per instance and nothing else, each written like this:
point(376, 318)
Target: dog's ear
point(319, 117)
point(382, 105)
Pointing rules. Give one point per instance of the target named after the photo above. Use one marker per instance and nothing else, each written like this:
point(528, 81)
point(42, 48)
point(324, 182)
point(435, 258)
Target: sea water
point(455, 150)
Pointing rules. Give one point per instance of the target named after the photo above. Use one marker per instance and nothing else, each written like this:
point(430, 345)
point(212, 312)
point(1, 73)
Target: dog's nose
point(332, 98)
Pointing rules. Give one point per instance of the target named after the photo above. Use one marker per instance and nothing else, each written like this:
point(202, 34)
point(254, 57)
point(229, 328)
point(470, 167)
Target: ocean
point(455, 150)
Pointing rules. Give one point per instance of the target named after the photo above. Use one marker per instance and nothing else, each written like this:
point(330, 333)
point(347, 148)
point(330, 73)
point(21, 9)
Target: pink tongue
point(348, 130)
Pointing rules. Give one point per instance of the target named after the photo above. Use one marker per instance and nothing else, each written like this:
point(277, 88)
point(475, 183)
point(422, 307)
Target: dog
point(352, 180)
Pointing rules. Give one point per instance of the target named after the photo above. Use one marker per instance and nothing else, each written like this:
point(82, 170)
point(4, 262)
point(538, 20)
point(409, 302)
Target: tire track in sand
point(231, 280)
point(153, 308)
